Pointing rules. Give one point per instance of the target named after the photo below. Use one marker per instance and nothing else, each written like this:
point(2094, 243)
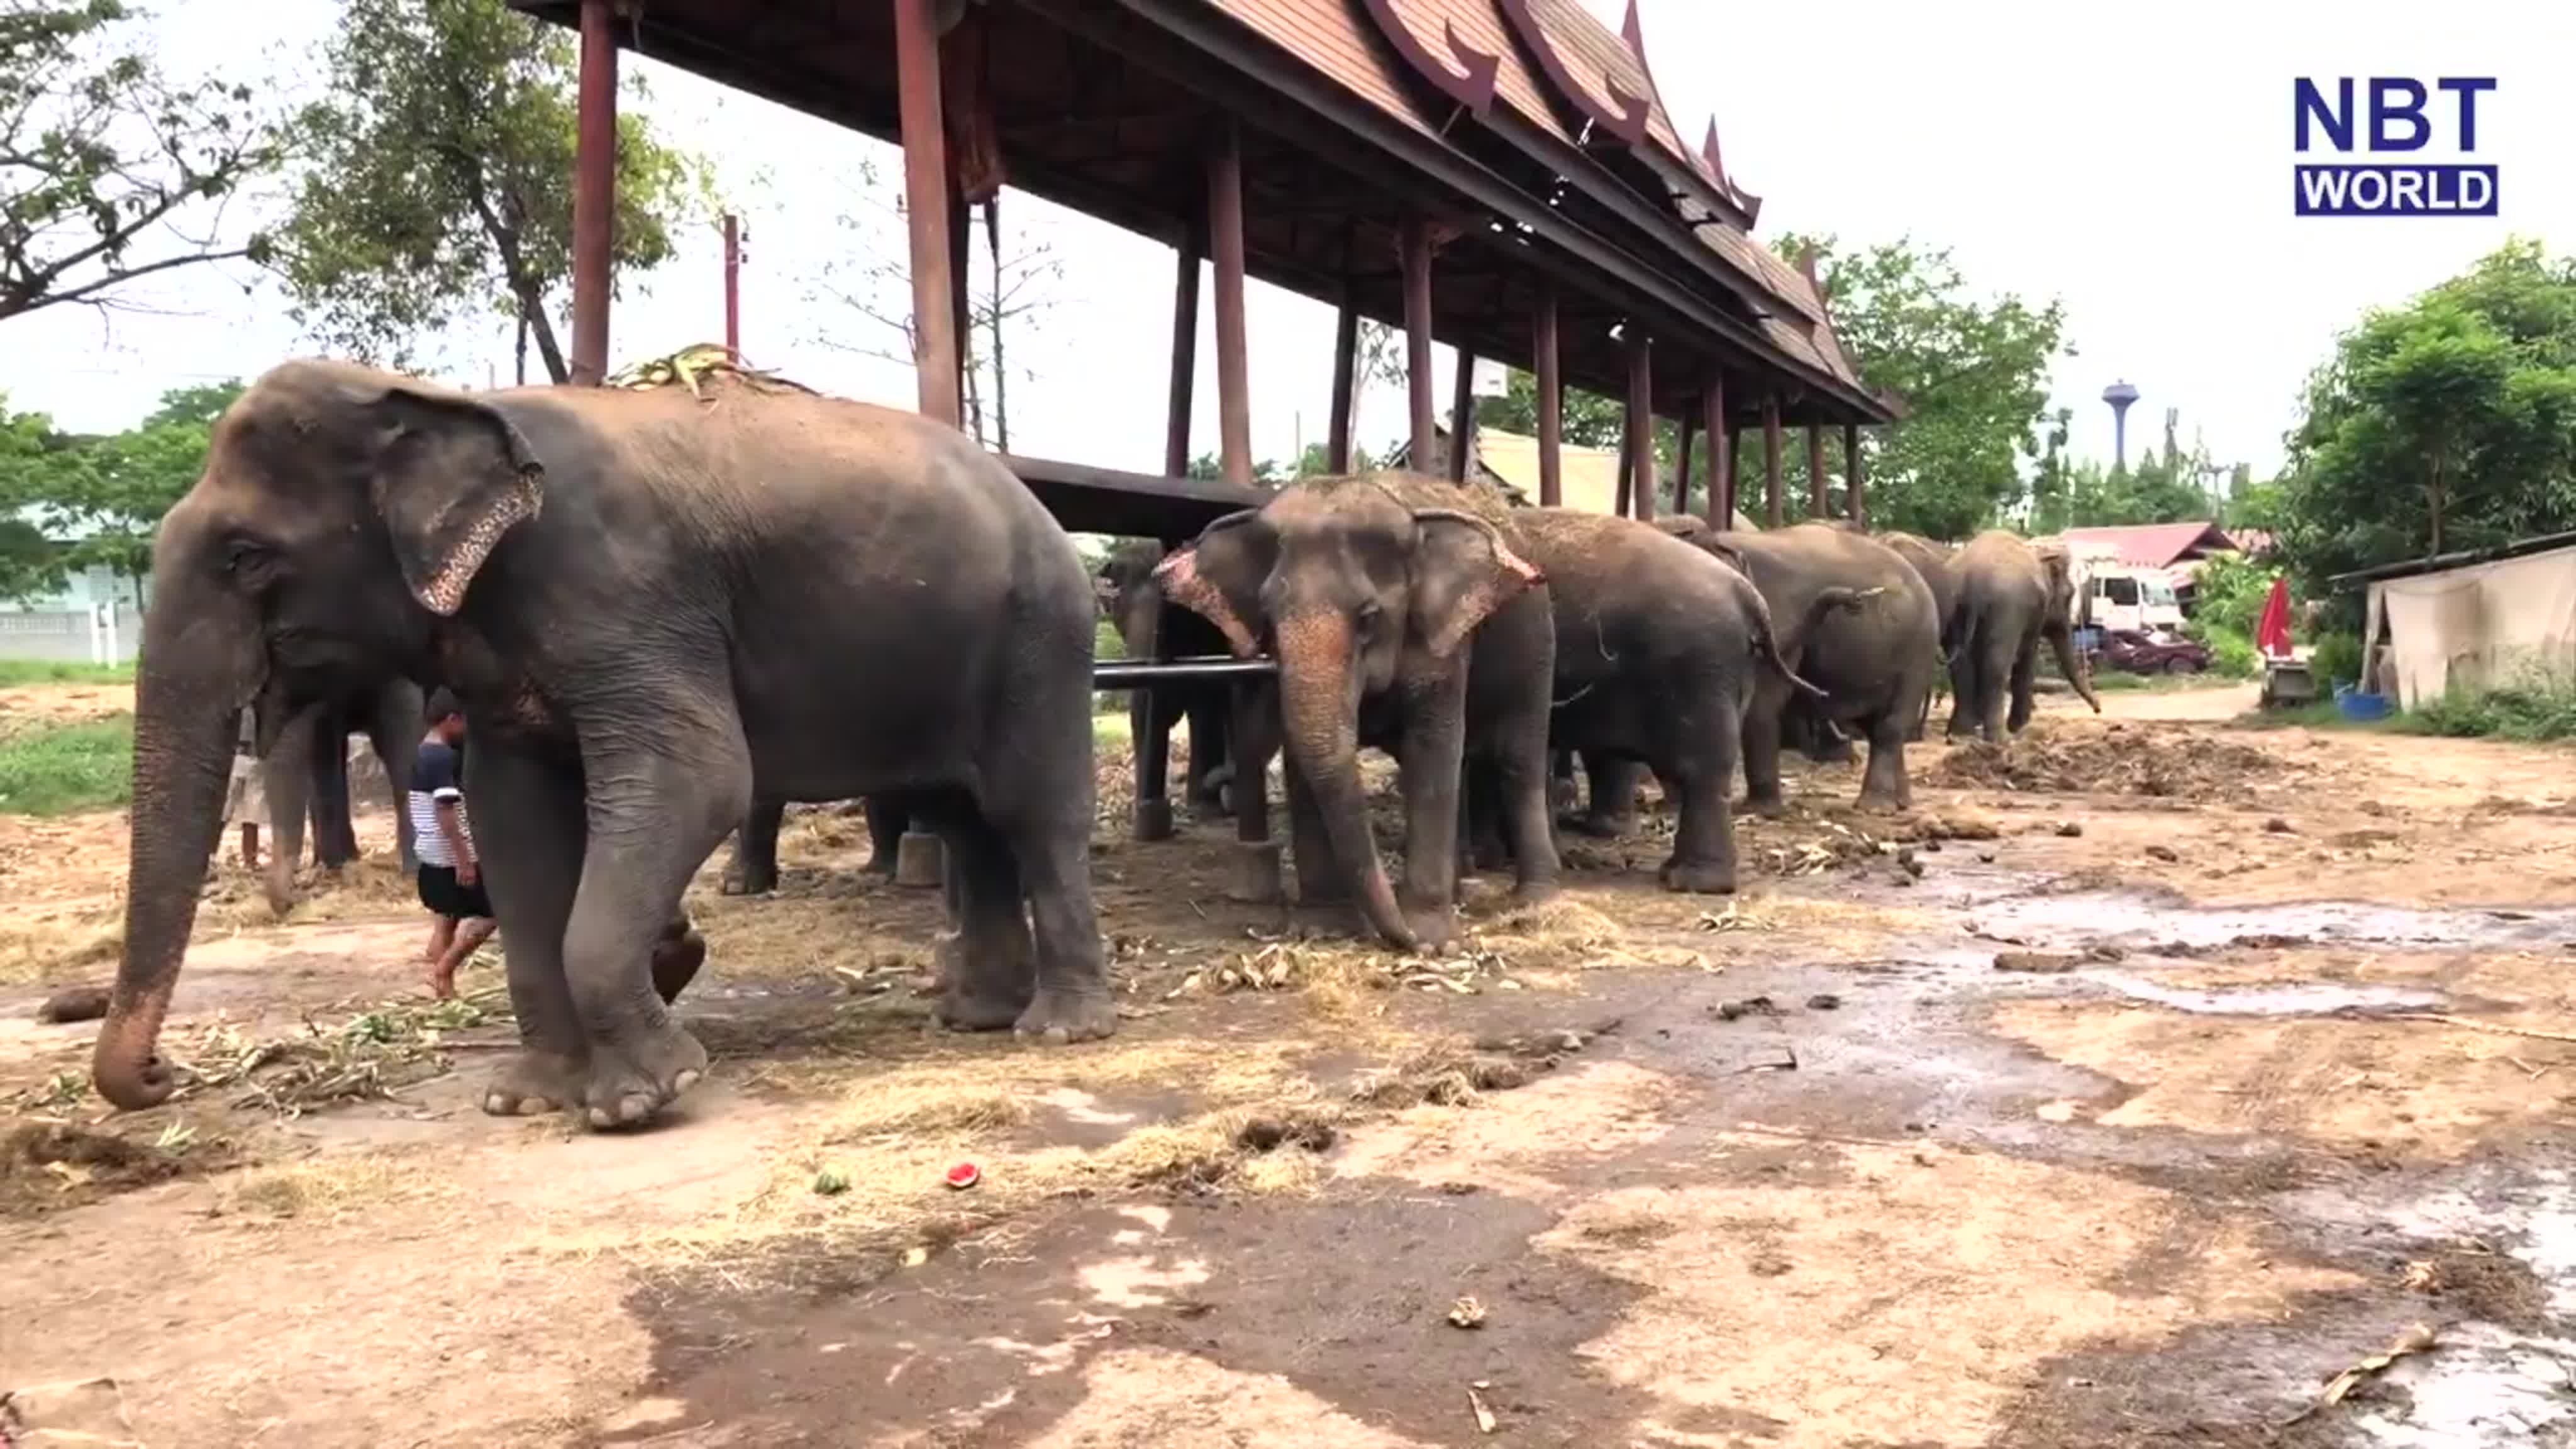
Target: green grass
point(2532, 714)
point(55, 769)
point(62, 671)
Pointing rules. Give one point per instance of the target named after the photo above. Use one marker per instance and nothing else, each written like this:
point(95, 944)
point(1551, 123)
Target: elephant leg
point(1967, 689)
point(335, 835)
point(1150, 712)
point(1208, 750)
point(2025, 664)
point(888, 819)
point(1561, 799)
point(530, 835)
point(287, 781)
point(989, 976)
point(665, 802)
point(1612, 809)
point(1252, 735)
point(393, 731)
point(677, 955)
point(753, 870)
point(1432, 757)
point(1994, 689)
point(1488, 844)
point(1761, 738)
point(1045, 824)
point(1703, 858)
point(1883, 785)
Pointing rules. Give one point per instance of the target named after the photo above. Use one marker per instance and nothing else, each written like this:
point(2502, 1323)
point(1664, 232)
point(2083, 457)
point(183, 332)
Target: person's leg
point(471, 933)
point(250, 847)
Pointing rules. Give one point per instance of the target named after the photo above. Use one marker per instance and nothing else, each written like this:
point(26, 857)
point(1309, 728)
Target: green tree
point(133, 477)
point(109, 171)
point(1973, 375)
point(33, 461)
point(438, 179)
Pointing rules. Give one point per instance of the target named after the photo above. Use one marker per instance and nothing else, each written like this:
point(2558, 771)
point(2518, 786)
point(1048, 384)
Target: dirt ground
point(2153, 1073)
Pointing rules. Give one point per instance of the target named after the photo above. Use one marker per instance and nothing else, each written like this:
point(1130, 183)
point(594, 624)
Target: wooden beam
point(1682, 465)
point(1551, 406)
point(1225, 241)
point(925, 191)
point(1185, 360)
point(1721, 456)
point(1771, 450)
point(594, 195)
point(1818, 504)
point(961, 230)
point(1417, 332)
point(1852, 482)
point(1346, 347)
point(1637, 483)
point(1462, 415)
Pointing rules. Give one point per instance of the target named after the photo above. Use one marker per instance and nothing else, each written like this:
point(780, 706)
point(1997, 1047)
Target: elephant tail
point(1767, 648)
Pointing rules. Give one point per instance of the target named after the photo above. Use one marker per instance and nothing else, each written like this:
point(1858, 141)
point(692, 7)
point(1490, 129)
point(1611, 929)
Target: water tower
point(2119, 395)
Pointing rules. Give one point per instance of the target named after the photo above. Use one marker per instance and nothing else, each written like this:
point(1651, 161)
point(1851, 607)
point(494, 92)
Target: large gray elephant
point(305, 775)
point(1374, 591)
point(1872, 657)
point(628, 590)
point(1137, 607)
point(2012, 595)
point(752, 869)
point(1935, 562)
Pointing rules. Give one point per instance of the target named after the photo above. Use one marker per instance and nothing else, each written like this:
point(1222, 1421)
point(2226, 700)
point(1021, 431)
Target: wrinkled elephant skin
point(2013, 595)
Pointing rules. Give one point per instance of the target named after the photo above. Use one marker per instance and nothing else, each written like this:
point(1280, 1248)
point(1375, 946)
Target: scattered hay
point(326, 1189)
point(2177, 765)
point(368, 1057)
point(47, 949)
point(924, 1109)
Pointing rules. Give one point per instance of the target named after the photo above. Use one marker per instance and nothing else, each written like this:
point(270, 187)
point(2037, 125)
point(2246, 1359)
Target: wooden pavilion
point(1498, 175)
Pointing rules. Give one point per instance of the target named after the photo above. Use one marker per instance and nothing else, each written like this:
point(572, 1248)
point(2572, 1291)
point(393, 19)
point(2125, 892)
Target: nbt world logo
point(2391, 183)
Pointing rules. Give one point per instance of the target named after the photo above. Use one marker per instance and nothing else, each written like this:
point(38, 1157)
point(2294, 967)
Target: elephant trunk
point(186, 715)
point(2061, 640)
point(1320, 713)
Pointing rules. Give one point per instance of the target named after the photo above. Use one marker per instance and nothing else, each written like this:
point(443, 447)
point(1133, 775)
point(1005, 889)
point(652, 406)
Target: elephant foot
point(1434, 927)
point(1832, 752)
point(279, 886)
point(676, 959)
point(639, 1073)
point(1530, 893)
point(1598, 827)
point(1059, 1017)
point(1769, 807)
point(1882, 802)
point(534, 1083)
point(1491, 855)
point(1698, 877)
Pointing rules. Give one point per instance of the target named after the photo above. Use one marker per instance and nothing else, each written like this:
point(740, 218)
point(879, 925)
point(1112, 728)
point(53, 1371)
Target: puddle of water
point(2109, 916)
point(2480, 1385)
point(2300, 998)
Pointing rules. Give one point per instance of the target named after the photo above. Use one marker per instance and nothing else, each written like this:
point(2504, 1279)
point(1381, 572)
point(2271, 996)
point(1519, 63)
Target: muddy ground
point(2152, 1074)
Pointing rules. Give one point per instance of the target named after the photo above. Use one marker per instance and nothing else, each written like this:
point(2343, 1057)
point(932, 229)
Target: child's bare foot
point(442, 981)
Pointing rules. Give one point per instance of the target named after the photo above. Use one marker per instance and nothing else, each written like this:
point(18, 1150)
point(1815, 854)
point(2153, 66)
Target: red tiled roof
point(2155, 545)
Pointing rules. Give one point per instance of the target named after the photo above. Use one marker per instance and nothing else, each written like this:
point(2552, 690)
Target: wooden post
point(1346, 347)
point(925, 195)
point(1637, 481)
point(1682, 465)
point(1225, 240)
point(1852, 480)
point(1417, 333)
point(1721, 457)
point(1462, 415)
point(1771, 449)
point(1551, 407)
point(1185, 359)
point(961, 226)
point(1819, 506)
point(594, 193)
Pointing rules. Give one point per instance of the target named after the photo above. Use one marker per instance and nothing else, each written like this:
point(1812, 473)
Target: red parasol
point(2272, 635)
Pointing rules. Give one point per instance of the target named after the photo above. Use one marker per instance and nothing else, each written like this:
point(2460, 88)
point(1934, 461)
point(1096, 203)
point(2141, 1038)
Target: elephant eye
point(247, 560)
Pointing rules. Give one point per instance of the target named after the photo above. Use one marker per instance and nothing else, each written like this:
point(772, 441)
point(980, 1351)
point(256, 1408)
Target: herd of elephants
point(667, 615)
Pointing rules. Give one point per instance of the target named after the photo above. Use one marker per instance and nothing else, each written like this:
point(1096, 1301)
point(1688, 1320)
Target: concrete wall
point(70, 635)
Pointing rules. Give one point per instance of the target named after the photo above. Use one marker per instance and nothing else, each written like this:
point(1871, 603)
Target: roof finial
point(1633, 33)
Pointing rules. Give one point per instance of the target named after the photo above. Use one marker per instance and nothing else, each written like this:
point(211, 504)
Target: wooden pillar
point(594, 193)
point(1721, 457)
point(1225, 241)
point(925, 194)
point(1637, 478)
point(1771, 458)
point(1462, 415)
point(1185, 360)
point(1417, 333)
point(1346, 347)
point(1682, 465)
point(961, 230)
point(1852, 480)
point(1819, 505)
point(1551, 407)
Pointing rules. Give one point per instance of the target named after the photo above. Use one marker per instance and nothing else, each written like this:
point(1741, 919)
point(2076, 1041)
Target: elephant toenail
point(534, 1106)
point(683, 1082)
point(635, 1107)
point(599, 1117)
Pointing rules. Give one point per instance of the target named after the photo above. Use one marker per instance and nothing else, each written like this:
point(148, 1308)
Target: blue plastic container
point(2352, 704)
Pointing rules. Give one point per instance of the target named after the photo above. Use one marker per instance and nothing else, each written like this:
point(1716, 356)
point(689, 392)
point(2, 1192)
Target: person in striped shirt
point(451, 881)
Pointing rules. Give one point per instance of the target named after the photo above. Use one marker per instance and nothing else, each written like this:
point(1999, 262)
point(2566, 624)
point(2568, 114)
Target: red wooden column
point(1185, 359)
point(1682, 465)
point(925, 195)
point(1721, 457)
point(1225, 241)
point(1462, 415)
point(1417, 333)
point(1637, 482)
point(594, 191)
point(1818, 506)
point(1771, 449)
point(1551, 408)
point(1346, 346)
point(1852, 481)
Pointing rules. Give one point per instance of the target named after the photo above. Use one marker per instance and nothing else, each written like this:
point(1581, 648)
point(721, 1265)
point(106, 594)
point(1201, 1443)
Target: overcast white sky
point(2134, 162)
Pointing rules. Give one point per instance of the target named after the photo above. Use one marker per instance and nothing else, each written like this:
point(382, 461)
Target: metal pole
point(1462, 415)
point(594, 195)
point(1851, 464)
point(733, 286)
point(1225, 239)
point(1551, 407)
point(1417, 333)
point(925, 198)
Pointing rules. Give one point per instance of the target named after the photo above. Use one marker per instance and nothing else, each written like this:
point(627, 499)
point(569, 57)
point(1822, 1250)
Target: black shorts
point(447, 896)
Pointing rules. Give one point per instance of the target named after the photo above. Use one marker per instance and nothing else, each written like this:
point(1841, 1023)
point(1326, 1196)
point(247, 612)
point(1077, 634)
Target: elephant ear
point(1463, 570)
point(1218, 577)
point(452, 475)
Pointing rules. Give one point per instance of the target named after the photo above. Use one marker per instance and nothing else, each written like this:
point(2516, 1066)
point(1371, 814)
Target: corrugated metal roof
point(2154, 545)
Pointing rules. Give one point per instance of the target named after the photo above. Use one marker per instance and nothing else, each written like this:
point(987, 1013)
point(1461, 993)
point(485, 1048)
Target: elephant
point(1934, 562)
point(1406, 617)
point(1136, 606)
point(1861, 625)
point(307, 772)
point(628, 590)
point(2012, 595)
point(1660, 649)
point(753, 868)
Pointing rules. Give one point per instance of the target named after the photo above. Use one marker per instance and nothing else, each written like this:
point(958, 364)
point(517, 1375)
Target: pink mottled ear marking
point(1529, 573)
point(1178, 575)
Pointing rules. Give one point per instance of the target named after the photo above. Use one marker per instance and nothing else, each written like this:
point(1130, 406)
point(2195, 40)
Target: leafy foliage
point(438, 179)
point(77, 501)
point(57, 768)
point(102, 158)
point(2446, 424)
